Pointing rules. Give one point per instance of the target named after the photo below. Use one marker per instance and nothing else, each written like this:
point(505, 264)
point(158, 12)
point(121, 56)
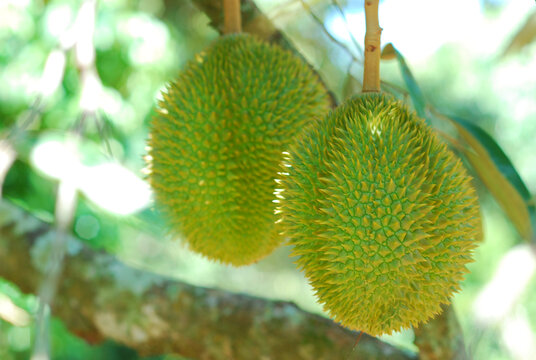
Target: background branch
point(441, 338)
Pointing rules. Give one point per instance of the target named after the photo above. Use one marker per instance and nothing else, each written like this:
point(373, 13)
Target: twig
point(347, 24)
point(64, 213)
point(66, 198)
point(33, 112)
point(325, 31)
point(371, 70)
point(232, 16)
point(98, 118)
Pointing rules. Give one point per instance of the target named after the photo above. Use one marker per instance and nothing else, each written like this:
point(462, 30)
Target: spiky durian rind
point(381, 214)
point(216, 144)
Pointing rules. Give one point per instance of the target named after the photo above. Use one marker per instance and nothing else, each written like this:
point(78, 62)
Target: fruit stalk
point(232, 18)
point(371, 71)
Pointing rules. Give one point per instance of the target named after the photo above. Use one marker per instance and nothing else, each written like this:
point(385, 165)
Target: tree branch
point(101, 298)
point(441, 338)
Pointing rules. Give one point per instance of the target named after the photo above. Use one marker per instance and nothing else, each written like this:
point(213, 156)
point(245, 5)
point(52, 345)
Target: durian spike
point(371, 70)
point(231, 17)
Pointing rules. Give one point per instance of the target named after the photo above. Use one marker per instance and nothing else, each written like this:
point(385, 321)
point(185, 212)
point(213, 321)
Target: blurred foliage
point(487, 159)
point(142, 44)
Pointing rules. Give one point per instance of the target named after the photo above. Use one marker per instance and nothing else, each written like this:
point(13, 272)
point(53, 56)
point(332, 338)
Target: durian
point(381, 215)
point(216, 143)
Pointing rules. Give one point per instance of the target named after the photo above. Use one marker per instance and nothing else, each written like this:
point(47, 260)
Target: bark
point(101, 298)
point(441, 338)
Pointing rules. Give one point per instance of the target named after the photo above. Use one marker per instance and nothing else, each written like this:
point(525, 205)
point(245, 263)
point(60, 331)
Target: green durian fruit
point(216, 143)
point(381, 214)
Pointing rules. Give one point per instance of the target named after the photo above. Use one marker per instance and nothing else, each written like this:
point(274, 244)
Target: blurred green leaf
point(523, 37)
point(497, 173)
point(498, 156)
point(487, 158)
point(415, 92)
point(351, 86)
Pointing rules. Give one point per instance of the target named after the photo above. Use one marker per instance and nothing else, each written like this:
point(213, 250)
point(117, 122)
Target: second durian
point(381, 215)
point(216, 144)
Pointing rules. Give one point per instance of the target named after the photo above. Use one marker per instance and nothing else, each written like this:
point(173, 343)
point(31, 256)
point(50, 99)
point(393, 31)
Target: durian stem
point(232, 17)
point(371, 71)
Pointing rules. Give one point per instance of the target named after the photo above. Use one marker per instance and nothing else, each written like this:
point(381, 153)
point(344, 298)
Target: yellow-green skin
point(216, 145)
point(381, 214)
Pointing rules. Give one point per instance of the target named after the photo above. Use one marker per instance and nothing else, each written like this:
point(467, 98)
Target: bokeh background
point(71, 67)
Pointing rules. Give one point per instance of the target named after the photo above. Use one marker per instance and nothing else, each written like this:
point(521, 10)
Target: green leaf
point(523, 37)
point(351, 86)
point(415, 92)
point(497, 173)
point(388, 52)
point(498, 156)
